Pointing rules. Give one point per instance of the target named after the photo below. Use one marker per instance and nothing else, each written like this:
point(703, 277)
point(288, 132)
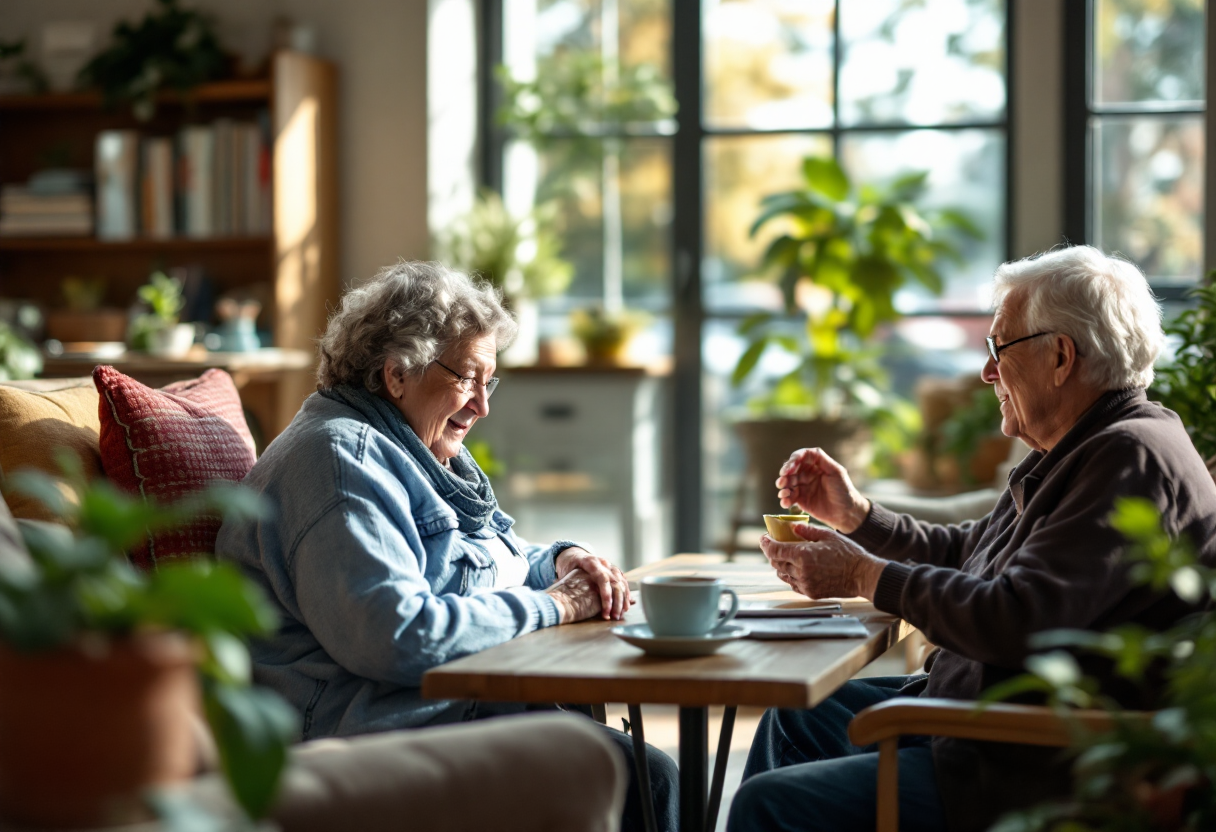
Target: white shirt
point(512, 568)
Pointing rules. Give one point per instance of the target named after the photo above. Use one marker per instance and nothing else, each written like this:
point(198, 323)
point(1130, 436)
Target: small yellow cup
point(781, 526)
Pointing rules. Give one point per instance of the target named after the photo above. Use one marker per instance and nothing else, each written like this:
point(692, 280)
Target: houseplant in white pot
point(101, 665)
point(519, 255)
point(845, 253)
point(160, 331)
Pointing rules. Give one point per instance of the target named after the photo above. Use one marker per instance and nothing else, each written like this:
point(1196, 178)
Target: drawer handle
point(557, 410)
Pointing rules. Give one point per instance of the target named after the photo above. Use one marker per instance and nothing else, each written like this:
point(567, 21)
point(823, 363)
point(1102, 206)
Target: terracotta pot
point(69, 325)
point(83, 733)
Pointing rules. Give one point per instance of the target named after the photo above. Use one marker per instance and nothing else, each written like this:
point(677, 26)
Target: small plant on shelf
point(605, 336)
point(159, 330)
point(76, 602)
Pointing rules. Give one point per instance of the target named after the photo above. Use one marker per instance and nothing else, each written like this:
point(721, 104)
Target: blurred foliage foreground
point(1149, 771)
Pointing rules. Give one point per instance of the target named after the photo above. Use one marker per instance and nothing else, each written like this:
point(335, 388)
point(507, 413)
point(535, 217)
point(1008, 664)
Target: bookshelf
point(296, 264)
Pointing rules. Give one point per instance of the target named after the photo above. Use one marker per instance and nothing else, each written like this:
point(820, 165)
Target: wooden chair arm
point(886, 722)
point(998, 722)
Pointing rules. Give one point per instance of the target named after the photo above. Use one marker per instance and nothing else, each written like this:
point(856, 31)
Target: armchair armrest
point(886, 722)
point(998, 722)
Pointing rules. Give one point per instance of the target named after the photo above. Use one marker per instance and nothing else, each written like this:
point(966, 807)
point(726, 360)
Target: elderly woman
point(386, 551)
point(1071, 351)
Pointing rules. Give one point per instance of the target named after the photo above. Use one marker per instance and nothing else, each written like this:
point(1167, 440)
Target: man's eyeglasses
point(995, 351)
point(466, 383)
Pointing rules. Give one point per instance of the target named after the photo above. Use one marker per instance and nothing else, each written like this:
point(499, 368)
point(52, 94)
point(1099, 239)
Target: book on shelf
point(116, 165)
point(195, 186)
point(156, 188)
point(24, 212)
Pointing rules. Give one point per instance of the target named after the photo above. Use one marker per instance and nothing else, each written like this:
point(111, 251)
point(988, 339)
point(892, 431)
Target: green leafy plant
point(604, 335)
point(520, 255)
point(1187, 386)
point(576, 93)
point(1147, 772)
point(171, 48)
point(163, 295)
point(78, 584)
point(853, 247)
point(967, 427)
point(15, 64)
point(19, 358)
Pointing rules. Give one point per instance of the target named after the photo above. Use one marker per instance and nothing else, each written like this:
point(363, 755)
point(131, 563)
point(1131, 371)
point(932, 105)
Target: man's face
point(1022, 377)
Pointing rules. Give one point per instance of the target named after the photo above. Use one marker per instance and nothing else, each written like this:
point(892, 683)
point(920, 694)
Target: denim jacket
point(373, 581)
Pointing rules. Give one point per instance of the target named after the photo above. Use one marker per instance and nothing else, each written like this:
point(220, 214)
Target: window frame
point(1080, 115)
point(687, 226)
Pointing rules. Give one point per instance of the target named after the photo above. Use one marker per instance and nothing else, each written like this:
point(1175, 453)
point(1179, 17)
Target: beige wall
point(380, 49)
point(1037, 134)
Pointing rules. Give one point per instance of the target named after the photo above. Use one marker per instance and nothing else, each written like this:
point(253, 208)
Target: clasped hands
point(826, 564)
point(587, 586)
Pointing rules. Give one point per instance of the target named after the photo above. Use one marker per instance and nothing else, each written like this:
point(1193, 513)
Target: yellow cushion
point(33, 424)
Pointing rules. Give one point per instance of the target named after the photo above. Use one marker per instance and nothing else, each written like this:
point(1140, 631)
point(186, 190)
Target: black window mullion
point(687, 249)
point(1077, 46)
point(493, 139)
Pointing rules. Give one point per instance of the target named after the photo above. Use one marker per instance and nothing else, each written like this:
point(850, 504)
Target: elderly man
point(1071, 351)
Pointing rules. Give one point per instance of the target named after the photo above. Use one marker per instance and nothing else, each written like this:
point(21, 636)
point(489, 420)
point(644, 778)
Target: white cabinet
point(584, 459)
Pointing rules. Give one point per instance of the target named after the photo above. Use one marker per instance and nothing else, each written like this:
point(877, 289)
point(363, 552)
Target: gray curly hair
point(1104, 303)
point(409, 313)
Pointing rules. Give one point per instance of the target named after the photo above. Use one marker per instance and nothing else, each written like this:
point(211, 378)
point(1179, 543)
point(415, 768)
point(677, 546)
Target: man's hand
point(609, 581)
point(826, 565)
point(821, 487)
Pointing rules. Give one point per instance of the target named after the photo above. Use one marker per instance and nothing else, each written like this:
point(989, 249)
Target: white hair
point(1103, 303)
point(409, 313)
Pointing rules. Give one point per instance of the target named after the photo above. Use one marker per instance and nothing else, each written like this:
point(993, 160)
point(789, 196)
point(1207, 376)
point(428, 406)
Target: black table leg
point(694, 768)
point(642, 765)
point(720, 759)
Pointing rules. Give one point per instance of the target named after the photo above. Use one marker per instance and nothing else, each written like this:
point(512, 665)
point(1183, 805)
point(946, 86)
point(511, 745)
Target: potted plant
point(171, 48)
point(1141, 775)
point(605, 336)
point(519, 255)
point(19, 358)
point(845, 253)
point(1187, 385)
point(100, 665)
point(159, 330)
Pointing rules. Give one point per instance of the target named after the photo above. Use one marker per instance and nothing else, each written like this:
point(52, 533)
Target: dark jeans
point(803, 774)
point(664, 776)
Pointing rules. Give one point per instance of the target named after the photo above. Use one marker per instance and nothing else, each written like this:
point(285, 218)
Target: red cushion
point(167, 443)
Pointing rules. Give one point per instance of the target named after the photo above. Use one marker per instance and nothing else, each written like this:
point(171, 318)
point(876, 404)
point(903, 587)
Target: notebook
point(787, 609)
point(842, 626)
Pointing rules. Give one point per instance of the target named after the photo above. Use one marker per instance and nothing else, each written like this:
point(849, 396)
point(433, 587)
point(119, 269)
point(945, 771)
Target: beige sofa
point(538, 773)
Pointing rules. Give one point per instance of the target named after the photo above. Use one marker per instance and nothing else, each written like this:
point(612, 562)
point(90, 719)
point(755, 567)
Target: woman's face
point(434, 403)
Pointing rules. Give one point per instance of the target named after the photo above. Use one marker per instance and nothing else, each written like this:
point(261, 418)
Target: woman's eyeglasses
point(466, 383)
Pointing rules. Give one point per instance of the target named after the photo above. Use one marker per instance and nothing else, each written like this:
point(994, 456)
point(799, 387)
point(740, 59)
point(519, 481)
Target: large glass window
point(886, 86)
point(1141, 141)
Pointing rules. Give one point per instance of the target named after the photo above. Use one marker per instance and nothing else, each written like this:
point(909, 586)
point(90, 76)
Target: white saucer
point(639, 635)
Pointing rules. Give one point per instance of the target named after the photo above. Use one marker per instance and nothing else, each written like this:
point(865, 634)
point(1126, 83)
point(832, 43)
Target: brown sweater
point(1045, 558)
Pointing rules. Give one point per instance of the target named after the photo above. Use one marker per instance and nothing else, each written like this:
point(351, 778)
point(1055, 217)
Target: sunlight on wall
point(451, 111)
point(295, 153)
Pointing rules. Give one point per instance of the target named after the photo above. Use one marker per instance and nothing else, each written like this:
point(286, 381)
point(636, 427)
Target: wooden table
point(584, 663)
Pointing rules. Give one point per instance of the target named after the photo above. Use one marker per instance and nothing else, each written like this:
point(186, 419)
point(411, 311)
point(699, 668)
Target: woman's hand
point(609, 581)
point(821, 487)
point(577, 597)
